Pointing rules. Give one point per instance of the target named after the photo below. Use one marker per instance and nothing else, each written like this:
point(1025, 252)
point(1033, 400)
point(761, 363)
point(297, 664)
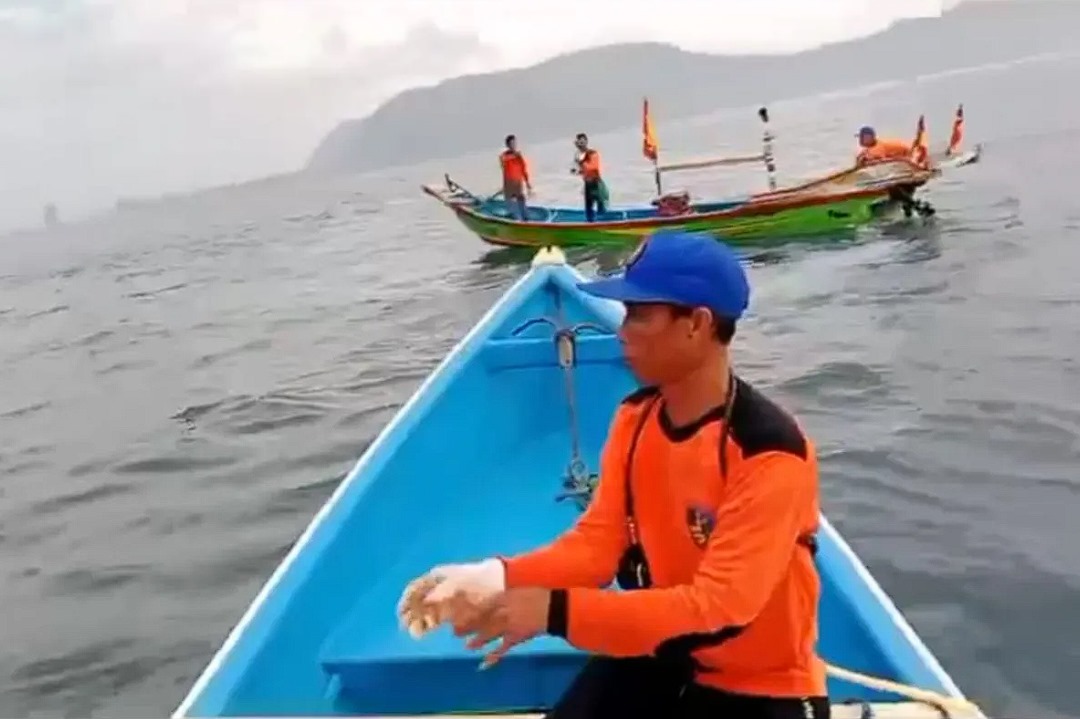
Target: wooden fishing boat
point(830, 205)
point(486, 457)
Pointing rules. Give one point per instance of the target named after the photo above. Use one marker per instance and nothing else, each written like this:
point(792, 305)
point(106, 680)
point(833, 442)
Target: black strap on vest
point(633, 572)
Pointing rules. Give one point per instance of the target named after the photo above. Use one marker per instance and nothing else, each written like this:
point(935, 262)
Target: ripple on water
point(173, 464)
point(25, 410)
point(212, 358)
point(64, 502)
point(245, 415)
point(82, 681)
point(294, 503)
point(55, 309)
point(62, 672)
point(244, 563)
point(840, 384)
point(75, 582)
point(337, 454)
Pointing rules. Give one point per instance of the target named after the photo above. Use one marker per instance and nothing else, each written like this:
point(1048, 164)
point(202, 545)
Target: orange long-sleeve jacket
point(515, 168)
point(884, 149)
point(730, 553)
point(590, 165)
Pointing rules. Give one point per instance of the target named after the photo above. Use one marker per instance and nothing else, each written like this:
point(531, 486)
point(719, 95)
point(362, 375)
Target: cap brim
point(620, 290)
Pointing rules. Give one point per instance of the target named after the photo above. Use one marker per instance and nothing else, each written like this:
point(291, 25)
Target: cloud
point(106, 98)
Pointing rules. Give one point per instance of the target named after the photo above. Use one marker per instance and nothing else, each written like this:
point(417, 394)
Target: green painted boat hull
point(819, 219)
point(831, 205)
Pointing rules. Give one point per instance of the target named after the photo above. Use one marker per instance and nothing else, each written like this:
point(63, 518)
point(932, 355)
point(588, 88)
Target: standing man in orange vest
point(587, 164)
point(515, 174)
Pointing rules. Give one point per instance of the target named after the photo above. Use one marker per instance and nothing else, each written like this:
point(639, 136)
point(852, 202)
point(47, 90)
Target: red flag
point(957, 132)
point(920, 149)
point(649, 146)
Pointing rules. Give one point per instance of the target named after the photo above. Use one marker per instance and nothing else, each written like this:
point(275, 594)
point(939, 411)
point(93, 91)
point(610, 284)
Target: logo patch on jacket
point(700, 522)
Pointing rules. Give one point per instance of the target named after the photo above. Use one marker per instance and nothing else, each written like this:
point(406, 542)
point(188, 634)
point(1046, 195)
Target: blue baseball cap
point(680, 268)
point(866, 130)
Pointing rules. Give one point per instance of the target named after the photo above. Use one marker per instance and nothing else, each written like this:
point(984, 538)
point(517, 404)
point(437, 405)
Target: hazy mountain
point(601, 88)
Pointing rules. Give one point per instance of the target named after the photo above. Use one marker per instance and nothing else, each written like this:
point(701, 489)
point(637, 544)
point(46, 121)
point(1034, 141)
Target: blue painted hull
point(470, 467)
point(576, 215)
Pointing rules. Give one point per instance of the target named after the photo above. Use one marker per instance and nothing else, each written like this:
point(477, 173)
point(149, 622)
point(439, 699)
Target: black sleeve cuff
point(558, 618)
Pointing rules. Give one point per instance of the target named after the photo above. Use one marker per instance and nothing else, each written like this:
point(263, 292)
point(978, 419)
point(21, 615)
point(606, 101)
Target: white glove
point(421, 609)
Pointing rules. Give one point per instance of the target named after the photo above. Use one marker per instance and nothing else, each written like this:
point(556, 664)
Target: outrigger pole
point(651, 151)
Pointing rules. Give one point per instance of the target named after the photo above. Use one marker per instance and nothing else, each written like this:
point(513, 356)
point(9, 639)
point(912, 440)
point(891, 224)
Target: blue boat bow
point(482, 460)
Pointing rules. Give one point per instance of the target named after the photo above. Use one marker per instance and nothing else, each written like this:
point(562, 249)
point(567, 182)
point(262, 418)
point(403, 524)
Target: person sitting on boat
point(705, 512)
point(587, 164)
point(875, 149)
point(515, 176)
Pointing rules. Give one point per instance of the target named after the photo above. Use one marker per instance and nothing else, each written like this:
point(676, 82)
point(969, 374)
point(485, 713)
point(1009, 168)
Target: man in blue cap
point(876, 149)
point(705, 514)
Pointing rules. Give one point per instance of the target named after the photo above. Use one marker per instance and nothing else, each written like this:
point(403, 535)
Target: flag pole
point(957, 136)
point(920, 153)
point(649, 146)
point(767, 148)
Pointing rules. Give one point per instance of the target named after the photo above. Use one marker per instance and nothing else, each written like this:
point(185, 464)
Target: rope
point(568, 359)
point(566, 348)
point(579, 482)
point(942, 701)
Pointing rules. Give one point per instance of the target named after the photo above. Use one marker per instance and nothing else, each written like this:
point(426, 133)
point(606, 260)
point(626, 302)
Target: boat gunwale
point(790, 198)
point(750, 208)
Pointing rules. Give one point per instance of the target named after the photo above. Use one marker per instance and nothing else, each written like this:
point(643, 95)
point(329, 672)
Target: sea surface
point(183, 384)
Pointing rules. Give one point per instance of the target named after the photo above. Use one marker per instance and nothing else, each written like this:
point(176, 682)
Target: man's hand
point(514, 616)
point(425, 603)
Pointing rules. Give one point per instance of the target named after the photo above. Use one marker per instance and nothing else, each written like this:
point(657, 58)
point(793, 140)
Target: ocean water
point(183, 385)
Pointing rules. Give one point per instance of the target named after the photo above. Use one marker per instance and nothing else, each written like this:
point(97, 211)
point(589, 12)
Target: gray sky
point(106, 98)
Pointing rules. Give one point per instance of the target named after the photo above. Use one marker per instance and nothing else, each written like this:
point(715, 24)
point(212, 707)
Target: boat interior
point(475, 465)
point(500, 209)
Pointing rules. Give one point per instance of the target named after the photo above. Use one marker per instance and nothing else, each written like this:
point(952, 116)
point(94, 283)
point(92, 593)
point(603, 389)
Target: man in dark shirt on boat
point(587, 164)
point(515, 177)
point(706, 511)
